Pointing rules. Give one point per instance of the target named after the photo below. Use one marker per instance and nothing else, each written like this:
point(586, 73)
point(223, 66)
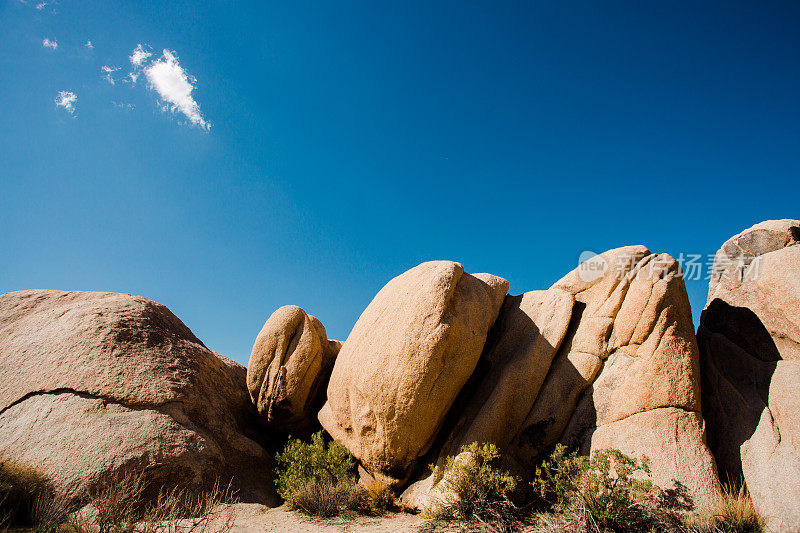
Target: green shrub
point(317, 478)
point(555, 478)
point(476, 490)
point(607, 491)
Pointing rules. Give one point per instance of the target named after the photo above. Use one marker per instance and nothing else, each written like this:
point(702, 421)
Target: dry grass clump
point(734, 513)
point(327, 498)
point(381, 498)
point(26, 498)
point(117, 505)
point(121, 505)
point(49, 512)
point(477, 493)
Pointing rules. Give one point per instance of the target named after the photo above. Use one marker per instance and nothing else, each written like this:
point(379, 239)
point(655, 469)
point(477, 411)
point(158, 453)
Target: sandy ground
point(254, 518)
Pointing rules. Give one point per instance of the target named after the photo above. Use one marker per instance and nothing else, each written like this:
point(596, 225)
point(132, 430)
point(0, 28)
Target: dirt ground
point(254, 518)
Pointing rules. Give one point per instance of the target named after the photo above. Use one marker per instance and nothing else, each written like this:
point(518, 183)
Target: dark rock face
point(749, 340)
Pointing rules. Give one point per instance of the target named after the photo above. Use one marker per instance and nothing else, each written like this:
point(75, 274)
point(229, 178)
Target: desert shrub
point(317, 478)
point(605, 492)
point(734, 512)
point(555, 479)
point(121, 504)
point(328, 498)
point(477, 491)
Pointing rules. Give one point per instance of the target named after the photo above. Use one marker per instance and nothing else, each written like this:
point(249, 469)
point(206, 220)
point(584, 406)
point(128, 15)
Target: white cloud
point(132, 76)
point(67, 100)
point(41, 5)
point(47, 43)
point(139, 55)
point(175, 87)
point(89, 45)
point(109, 71)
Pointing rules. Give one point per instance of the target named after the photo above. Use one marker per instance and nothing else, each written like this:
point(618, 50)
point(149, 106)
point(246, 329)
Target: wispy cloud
point(67, 100)
point(40, 5)
point(109, 71)
point(174, 86)
point(139, 55)
point(89, 45)
point(47, 43)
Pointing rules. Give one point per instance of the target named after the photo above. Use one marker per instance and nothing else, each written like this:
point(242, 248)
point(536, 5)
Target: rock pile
point(607, 357)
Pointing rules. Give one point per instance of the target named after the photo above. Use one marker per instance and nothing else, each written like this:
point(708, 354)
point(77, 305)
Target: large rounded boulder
point(749, 337)
point(405, 361)
point(289, 367)
point(94, 385)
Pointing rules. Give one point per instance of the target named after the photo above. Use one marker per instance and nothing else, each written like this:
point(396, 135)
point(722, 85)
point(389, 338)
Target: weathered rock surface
point(606, 357)
point(289, 367)
point(404, 363)
point(94, 384)
point(627, 374)
point(749, 337)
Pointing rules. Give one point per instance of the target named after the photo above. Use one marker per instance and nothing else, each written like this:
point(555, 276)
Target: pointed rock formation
point(405, 362)
point(749, 337)
point(289, 368)
point(627, 374)
point(97, 384)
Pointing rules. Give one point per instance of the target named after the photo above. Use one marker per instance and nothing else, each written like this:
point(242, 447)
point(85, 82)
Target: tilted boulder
point(605, 358)
point(749, 337)
point(504, 386)
point(289, 367)
point(95, 385)
point(405, 361)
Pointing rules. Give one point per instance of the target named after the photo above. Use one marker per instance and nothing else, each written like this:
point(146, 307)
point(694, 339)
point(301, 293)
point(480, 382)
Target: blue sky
point(308, 152)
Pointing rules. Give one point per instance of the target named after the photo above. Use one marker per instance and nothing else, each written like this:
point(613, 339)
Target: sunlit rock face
point(404, 363)
point(95, 385)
